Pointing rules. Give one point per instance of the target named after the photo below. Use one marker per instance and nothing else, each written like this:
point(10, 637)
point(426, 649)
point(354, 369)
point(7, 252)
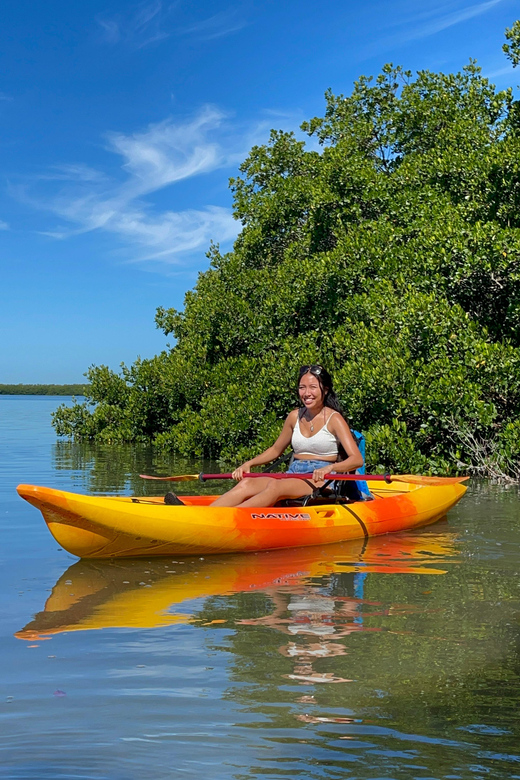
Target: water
point(396, 659)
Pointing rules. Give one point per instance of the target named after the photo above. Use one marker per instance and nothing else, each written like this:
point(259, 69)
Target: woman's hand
point(238, 473)
point(318, 475)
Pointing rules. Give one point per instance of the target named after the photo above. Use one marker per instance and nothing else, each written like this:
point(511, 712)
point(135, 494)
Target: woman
point(316, 431)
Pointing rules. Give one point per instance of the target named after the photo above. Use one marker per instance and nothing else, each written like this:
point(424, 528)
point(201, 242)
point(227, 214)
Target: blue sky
point(121, 123)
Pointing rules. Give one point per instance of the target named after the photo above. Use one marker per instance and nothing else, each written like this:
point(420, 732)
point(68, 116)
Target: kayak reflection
point(127, 593)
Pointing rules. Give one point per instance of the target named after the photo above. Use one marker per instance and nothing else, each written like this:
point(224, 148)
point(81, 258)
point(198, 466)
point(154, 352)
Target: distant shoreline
point(43, 389)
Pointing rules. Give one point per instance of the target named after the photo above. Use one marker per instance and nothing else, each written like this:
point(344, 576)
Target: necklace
point(311, 422)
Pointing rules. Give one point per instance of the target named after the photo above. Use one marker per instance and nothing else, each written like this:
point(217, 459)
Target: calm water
point(398, 659)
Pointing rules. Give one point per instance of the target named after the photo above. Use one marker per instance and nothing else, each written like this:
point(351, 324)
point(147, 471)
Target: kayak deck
point(125, 526)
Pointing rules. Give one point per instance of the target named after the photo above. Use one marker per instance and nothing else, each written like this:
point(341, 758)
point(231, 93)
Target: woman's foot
point(172, 500)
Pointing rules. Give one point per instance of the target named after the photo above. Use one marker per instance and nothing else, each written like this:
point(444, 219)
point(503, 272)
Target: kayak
point(126, 526)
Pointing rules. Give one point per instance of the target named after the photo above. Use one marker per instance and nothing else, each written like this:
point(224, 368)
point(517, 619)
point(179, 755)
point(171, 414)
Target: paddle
point(410, 478)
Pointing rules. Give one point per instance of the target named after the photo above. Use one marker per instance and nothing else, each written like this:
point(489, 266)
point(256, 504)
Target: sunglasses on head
point(316, 370)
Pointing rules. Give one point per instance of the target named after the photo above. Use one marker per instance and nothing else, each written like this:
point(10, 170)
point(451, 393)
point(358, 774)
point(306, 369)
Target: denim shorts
point(307, 466)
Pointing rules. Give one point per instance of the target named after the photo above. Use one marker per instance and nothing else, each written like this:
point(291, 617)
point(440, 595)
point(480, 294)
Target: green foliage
point(391, 255)
point(43, 389)
point(512, 49)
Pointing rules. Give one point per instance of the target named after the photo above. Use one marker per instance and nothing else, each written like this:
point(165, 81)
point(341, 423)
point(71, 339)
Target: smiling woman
point(319, 435)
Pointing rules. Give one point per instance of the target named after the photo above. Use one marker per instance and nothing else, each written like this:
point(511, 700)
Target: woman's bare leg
point(274, 490)
point(243, 490)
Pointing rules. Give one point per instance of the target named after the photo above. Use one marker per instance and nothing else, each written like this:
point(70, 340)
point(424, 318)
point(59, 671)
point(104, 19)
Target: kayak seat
point(317, 499)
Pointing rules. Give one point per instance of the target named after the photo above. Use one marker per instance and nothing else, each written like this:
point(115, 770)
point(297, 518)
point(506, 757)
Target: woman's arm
point(273, 452)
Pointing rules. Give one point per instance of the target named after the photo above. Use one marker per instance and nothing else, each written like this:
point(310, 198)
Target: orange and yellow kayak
point(124, 526)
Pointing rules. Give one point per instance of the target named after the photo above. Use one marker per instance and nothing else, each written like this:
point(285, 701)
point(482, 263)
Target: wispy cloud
point(442, 17)
point(160, 156)
point(78, 172)
point(170, 234)
point(143, 25)
point(216, 26)
point(506, 70)
point(4, 225)
point(152, 22)
point(435, 18)
point(166, 152)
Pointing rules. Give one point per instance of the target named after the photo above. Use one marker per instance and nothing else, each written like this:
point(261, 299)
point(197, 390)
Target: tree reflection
point(115, 468)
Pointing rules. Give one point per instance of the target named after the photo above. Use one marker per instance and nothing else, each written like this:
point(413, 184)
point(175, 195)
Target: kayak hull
point(121, 526)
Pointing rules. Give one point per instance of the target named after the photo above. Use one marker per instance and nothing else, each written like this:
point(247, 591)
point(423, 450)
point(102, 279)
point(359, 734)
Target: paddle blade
point(415, 479)
point(177, 478)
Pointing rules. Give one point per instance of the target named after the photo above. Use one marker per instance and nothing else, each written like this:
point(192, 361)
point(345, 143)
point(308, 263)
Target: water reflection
point(318, 616)
point(113, 468)
point(311, 591)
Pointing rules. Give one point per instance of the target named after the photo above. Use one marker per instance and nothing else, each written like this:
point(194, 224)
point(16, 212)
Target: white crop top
point(323, 443)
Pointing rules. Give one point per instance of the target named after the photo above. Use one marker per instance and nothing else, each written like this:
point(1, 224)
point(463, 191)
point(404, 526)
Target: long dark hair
point(330, 398)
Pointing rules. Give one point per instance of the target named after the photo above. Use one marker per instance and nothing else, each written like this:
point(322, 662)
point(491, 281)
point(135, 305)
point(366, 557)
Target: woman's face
point(311, 392)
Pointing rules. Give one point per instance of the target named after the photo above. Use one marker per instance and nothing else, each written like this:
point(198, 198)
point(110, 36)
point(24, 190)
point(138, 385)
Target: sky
point(121, 124)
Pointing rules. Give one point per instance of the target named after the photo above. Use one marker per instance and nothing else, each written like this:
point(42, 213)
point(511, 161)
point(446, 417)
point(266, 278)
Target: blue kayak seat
point(355, 490)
